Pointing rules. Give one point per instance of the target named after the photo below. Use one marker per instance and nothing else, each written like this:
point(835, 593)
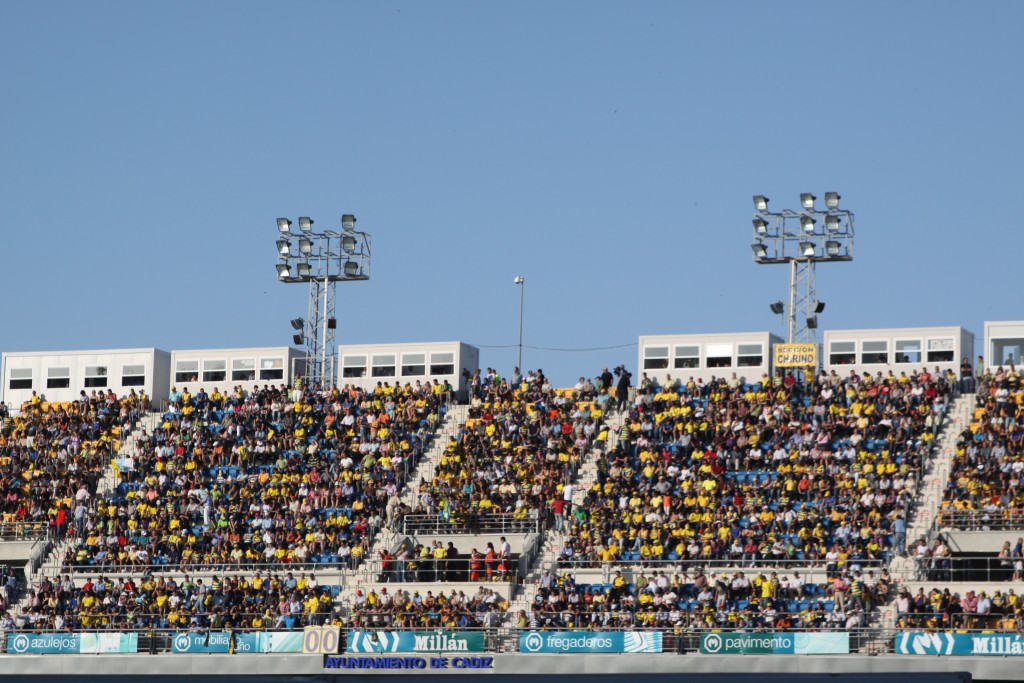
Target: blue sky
point(606, 151)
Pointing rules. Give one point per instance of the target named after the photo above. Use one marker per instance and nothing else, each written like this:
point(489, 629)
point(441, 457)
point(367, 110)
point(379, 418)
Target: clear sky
point(607, 151)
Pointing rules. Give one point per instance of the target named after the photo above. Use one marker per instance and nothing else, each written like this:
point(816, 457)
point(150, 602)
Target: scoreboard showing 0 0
point(321, 640)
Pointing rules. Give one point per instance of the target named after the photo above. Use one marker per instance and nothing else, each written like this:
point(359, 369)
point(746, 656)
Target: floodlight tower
point(320, 260)
point(802, 239)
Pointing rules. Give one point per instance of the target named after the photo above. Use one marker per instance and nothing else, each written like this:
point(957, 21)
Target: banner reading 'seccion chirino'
point(795, 355)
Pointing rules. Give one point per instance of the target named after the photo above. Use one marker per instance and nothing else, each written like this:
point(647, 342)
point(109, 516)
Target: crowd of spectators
point(518, 451)
point(402, 608)
point(984, 487)
point(52, 456)
point(737, 600)
point(270, 600)
point(274, 476)
point(943, 609)
point(820, 470)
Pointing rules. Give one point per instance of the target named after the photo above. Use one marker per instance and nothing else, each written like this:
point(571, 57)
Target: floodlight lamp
point(807, 249)
point(760, 226)
point(832, 200)
point(807, 223)
point(832, 248)
point(305, 246)
point(348, 244)
point(760, 202)
point(303, 269)
point(284, 225)
point(777, 308)
point(519, 279)
point(807, 200)
point(297, 339)
point(332, 323)
point(284, 270)
point(819, 307)
point(284, 247)
point(812, 322)
point(297, 323)
point(348, 222)
point(760, 252)
point(305, 223)
point(831, 223)
point(351, 268)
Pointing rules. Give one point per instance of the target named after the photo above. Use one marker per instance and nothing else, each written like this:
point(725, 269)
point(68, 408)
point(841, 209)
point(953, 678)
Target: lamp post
point(801, 239)
point(320, 260)
point(521, 281)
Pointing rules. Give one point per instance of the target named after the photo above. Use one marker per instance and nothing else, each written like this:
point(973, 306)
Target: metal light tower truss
point(802, 239)
point(320, 260)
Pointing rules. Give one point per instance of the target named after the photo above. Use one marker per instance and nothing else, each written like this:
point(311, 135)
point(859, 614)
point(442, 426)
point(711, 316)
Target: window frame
point(135, 379)
point(91, 381)
point(349, 370)
point(50, 377)
point(271, 373)
point(685, 361)
point(852, 353)
point(863, 353)
point(654, 356)
point(442, 364)
point(11, 379)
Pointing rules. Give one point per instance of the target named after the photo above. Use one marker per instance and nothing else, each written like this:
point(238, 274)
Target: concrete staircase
point(51, 563)
point(454, 419)
point(552, 540)
point(936, 473)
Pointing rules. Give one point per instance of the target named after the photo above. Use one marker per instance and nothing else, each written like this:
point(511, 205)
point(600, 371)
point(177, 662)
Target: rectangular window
point(271, 368)
point(383, 366)
point(133, 375)
point(21, 378)
point(353, 366)
point(58, 378)
point(243, 369)
point(655, 357)
point(908, 350)
point(874, 352)
point(186, 371)
point(215, 370)
point(687, 356)
point(749, 355)
point(940, 351)
point(719, 355)
point(842, 353)
point(442, 363)
point(414, 364)
point(96, 376)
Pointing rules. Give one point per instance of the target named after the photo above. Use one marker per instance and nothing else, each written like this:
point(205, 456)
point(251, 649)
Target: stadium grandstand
point(867, 506)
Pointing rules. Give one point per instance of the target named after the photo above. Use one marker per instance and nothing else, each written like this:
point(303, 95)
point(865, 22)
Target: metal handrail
point(1004, 519)
point(501, 523)
point(962, 568)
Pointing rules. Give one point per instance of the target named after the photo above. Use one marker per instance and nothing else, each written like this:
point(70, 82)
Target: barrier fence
point(334, 640)
point(981, 520)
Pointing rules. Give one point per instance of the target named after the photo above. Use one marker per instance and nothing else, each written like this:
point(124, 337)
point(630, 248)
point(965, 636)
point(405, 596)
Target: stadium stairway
point(553, 540)
point(50, 563)
point(389, 538)
point(933, 484)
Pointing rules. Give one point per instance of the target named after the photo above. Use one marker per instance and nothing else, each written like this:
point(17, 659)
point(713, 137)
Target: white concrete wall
point(921, 341)
point(698, 350)
point(364, 365)
point(1001, 338)
point(79, 367)
point(246, 367)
